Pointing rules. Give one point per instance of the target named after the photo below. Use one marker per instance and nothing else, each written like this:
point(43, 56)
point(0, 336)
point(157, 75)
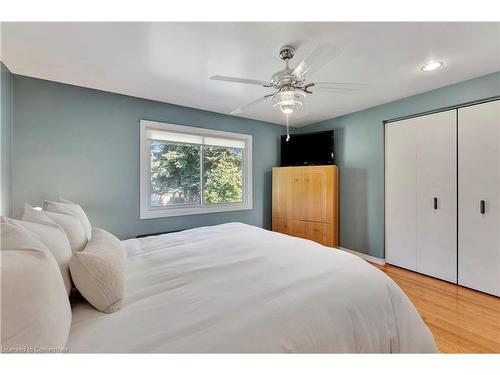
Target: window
point(187, 170)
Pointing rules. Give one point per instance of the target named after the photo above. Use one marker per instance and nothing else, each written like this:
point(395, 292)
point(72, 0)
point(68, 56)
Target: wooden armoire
point(306, 203)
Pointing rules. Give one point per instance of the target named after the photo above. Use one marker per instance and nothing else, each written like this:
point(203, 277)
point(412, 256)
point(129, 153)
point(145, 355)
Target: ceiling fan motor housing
point(285, 79)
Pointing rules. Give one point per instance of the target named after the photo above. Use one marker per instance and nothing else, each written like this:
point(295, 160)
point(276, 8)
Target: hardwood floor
point(462, 320)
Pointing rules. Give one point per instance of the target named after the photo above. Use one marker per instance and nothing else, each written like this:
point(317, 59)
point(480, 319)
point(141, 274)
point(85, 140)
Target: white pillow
point(67, 207)
point(69, 223)
point(99, 271)
point(35, 312)
point(54, 238)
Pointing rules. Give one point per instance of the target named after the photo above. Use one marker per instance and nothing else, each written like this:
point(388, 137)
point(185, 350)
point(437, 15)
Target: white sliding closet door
point(479, 180)
point(400, 194)
point(421, 194)
point(437, 195)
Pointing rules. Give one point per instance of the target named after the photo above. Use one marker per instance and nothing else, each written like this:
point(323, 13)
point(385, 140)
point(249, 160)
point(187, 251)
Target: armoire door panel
point(479, 180)
point(282, 195)
point(400, 194)
point(297, 194)
point(314, 194)
point(437, 195)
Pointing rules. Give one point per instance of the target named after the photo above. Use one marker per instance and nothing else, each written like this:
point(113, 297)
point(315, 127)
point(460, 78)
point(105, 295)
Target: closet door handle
point(435, 203)
point(482, 207)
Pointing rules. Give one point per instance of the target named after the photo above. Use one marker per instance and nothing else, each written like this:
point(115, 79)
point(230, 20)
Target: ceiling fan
point(292, 85)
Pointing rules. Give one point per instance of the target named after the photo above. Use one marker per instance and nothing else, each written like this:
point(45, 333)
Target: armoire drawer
point(294, 228)
point(281, 225)
point(318, 232)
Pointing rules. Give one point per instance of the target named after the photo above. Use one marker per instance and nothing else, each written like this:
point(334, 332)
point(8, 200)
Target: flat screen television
point(307, 149)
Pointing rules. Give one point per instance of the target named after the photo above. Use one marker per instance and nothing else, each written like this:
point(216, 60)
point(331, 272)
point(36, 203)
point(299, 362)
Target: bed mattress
point(235, 288)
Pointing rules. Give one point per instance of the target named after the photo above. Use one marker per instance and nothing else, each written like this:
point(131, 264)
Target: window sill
point(185, 211)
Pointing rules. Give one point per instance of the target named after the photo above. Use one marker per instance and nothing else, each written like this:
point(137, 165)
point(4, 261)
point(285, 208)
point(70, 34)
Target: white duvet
point(238, 288)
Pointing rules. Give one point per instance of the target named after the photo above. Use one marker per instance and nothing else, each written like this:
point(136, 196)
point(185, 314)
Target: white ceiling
point(172, 62)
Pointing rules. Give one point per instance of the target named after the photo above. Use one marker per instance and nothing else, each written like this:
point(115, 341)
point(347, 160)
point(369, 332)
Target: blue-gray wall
point(359, 152)
point(5, 140)
point(83, 145)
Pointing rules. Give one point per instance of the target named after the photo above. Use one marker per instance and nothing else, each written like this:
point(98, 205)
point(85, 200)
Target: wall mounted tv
point(307, 149)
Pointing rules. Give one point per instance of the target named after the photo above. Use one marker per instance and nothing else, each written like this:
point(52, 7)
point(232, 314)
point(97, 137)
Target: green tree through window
point(176, 174)
point(223, 174)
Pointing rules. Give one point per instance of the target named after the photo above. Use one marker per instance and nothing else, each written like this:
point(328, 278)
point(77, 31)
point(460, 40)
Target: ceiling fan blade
point(321, 55)
point(240, 80)
point(242, 109)
point(340, 87)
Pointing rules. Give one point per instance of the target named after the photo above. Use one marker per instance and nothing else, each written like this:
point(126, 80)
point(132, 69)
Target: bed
point(235, 288)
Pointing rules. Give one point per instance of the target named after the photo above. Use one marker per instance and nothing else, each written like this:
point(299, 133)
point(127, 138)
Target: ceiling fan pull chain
point(287, 128)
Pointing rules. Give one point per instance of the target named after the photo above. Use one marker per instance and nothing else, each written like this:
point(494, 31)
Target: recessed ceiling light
point(432, 66)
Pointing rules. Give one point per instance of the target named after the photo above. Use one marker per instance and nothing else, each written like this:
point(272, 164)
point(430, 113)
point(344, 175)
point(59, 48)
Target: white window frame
point(148, 212)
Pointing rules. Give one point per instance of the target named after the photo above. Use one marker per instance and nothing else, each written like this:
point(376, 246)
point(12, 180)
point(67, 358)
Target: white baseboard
point(366, 257)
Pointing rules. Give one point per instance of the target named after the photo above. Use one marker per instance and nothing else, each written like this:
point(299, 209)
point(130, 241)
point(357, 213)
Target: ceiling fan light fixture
point(288, 101)
point(287, 109)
